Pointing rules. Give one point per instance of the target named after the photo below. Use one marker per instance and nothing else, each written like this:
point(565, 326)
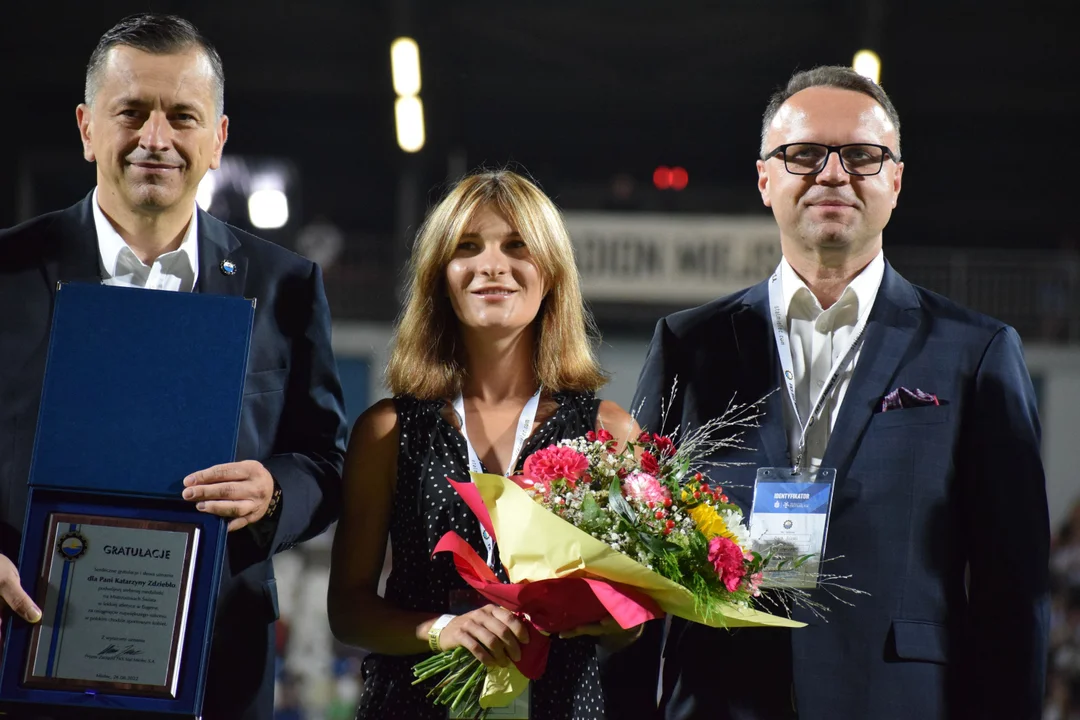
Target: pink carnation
point(644, 488)
point(555, 462)
point(727, 557)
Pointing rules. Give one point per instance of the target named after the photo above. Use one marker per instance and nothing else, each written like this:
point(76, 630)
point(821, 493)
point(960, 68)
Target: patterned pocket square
point(901, 398)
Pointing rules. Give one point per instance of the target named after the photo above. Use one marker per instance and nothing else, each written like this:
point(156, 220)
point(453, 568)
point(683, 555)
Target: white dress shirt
point(175, 270)
point(818, 338)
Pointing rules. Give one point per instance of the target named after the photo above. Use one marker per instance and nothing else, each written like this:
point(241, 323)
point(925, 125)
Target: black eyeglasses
point(811, 158)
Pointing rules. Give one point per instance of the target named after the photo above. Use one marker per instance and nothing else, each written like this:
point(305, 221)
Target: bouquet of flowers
point(589, 531)
point(650, 506)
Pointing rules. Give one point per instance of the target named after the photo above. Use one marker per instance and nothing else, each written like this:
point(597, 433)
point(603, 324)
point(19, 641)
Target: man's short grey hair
point(158, 35)
point(835, 76)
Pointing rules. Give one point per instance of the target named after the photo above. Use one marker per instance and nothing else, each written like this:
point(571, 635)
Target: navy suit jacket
point(939, 514)
point(292, 419)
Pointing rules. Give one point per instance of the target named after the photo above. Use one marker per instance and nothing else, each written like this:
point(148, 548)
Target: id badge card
point(462, 601)
point(789, 520)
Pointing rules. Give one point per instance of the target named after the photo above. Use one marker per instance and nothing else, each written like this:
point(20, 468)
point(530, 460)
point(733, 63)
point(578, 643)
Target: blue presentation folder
point(142, 388)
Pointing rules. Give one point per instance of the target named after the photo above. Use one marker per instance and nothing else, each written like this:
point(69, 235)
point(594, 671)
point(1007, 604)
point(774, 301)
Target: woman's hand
point(493, 634)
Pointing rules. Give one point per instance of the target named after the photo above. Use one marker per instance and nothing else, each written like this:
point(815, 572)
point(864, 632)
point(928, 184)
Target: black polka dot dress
point(425, 508)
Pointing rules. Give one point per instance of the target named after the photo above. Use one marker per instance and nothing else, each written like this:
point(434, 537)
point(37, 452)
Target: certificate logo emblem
point(787, 524)
point(71, 546)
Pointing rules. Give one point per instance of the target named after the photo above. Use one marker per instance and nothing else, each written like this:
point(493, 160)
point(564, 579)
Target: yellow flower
point(709, 522)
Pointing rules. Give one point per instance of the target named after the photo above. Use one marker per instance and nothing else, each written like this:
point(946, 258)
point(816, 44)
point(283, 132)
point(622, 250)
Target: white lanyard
point(525, 423)
point(783, 347)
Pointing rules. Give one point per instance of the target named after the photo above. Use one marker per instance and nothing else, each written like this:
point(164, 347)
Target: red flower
point(664, 445)
point(643, 438)
point(555, 462)
point(601, 435)
point(727, 557)
point(649, 463)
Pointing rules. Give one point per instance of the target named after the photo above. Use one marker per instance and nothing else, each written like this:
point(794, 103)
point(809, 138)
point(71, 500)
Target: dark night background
point(578, 92)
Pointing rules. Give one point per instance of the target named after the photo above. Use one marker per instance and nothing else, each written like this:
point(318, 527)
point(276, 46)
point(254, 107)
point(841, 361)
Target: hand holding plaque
point(12, 594)
point(237, 490)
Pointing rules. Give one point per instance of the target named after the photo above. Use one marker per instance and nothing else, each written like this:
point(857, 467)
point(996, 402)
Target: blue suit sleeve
point(1008, 535)
point(630, 677)
point(309, 450)
point(655, 384)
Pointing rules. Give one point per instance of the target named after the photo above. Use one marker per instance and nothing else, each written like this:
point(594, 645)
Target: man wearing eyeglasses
point(920, 412)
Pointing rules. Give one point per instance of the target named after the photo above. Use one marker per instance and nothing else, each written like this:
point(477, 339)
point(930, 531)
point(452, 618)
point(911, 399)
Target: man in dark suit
point(153, 122)
point(939, 510)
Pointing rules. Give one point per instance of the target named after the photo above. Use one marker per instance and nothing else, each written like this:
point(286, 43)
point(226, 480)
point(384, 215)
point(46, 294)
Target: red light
point(679, 178)
point(661, 178)
point(665, 178)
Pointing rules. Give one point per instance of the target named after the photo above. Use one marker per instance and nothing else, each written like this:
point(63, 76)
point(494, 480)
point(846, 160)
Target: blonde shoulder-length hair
point(425, 356)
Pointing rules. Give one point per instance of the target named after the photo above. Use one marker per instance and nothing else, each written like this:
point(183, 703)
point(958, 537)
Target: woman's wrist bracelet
point(436, 629)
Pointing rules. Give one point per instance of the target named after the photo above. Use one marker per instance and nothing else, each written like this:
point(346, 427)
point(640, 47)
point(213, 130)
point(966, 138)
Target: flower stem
point(473, 683)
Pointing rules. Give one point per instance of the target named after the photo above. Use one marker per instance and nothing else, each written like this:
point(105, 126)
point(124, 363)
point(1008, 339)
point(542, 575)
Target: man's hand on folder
point(238, 490)
point(13, 595)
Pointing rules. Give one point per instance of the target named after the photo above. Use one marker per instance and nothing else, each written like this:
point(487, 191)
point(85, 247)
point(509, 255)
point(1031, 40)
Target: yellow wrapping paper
point(535, 544)
point(502, 685)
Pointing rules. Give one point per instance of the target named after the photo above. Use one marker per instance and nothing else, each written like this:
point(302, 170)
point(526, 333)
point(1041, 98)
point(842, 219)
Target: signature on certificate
point(112, 649)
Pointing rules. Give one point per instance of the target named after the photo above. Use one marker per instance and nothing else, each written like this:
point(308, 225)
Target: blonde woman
point(491, 361)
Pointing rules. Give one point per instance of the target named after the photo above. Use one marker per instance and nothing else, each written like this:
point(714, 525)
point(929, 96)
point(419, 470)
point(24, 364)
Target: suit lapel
point(222, 263)
point(893, 324)
point(757, 351)
point(72, 249)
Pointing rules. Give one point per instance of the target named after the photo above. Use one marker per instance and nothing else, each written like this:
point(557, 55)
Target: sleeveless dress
point(425, 508)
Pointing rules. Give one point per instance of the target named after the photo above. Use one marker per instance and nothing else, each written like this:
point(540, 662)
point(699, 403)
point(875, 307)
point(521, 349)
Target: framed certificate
point(114, 594)
point(127, 588)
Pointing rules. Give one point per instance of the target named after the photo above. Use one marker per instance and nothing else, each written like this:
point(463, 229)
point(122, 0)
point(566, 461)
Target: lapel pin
point(228, 267)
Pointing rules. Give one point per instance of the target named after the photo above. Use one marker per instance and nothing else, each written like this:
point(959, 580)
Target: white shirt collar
point(862, 290)
point(110, 244)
